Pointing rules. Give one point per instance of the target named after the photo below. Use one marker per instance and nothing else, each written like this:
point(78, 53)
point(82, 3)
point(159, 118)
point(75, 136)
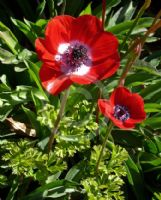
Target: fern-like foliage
point(25, 159)
point(105, 183)
point(75, 131)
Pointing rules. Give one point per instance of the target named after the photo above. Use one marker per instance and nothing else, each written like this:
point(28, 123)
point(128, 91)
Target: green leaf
point(40, 8)
point(157, 196)
point(151, 90)
point(13, 189)
point(41, 23)
point(74, 172)
point(3, 181)
point(147, 67)
point(156, 162)
point(51, 188)
point(157, 140)
point(20, 68)
point(141, 77)
point(7, 57)
point(152, 107)
point(126, 12)
point(150, 146)
point(37, 28)
point(153, 55)
point(51, 7)
point(25, 29)
point(154, 122)
point(128, 138)
point(123, 14)
point(135, 179)
point(123, 27)
point(150, 162)
point(52, 178)
point(87, 10)
point(5, 110)
point(37, 101)
point(33, 71)
point(9, 99)
point(8, 37)
point(32, 117)
point(109, 5)
point(5, 83)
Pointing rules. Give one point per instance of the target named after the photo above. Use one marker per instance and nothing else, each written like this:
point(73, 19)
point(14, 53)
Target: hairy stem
point(109, 129)
point(63, 7)
point(97, 110)
point(59, 117)
point(103, 13)
point(137, 46)
point(129, 64)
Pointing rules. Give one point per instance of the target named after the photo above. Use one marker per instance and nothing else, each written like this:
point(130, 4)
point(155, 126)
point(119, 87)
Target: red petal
point(120, 96)
point(43, 52)
point(58, 30)
point(45, 55)
point(99, 71)
point(128, 124)
point(54, 82)
point(86, 79)
point(122, 125)
point(107, 68)
point(133, 102)
point(104, 45)
point(136, 108)
point(105, 107)
point(85, 27)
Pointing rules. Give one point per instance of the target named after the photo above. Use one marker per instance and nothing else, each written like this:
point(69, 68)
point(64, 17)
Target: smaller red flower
point(124, 108)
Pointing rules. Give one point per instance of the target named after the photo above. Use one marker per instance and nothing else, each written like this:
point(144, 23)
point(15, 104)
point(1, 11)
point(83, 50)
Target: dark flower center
point(121, 113)
point(74, 56)
point(79, 53)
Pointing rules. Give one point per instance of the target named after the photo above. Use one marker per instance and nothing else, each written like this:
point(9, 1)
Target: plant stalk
point(103, 13)
point(63, 7)
point(137, 46)
point(109, 129)
point(129, 64)
point(59, 117)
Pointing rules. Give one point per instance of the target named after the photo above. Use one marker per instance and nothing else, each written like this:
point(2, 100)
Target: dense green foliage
point(131, 164)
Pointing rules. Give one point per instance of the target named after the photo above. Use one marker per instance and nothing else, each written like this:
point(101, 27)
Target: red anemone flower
point(76, 50)
point(124, 108)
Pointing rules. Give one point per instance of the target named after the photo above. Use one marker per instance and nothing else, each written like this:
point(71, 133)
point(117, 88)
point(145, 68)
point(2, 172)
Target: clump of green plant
point(107, 181)
point(80, 162)
point(75, 131)
point(24, 159)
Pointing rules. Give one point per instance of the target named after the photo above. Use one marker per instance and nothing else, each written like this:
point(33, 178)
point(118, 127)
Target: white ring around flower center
point(74, 58)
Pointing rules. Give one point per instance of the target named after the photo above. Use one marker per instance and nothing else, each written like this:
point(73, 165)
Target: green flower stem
point(128, 66)
point(63, 7)
point(109, 129)
point(97, 110)
point(103, 13)
point(59, 117)
point(155, 25)
point(137, 46)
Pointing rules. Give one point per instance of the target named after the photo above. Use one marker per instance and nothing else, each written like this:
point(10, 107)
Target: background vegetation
point(130, 169)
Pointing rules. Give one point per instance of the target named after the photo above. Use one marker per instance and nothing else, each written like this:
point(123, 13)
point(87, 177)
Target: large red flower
point(76, 50)
point(124, 108)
